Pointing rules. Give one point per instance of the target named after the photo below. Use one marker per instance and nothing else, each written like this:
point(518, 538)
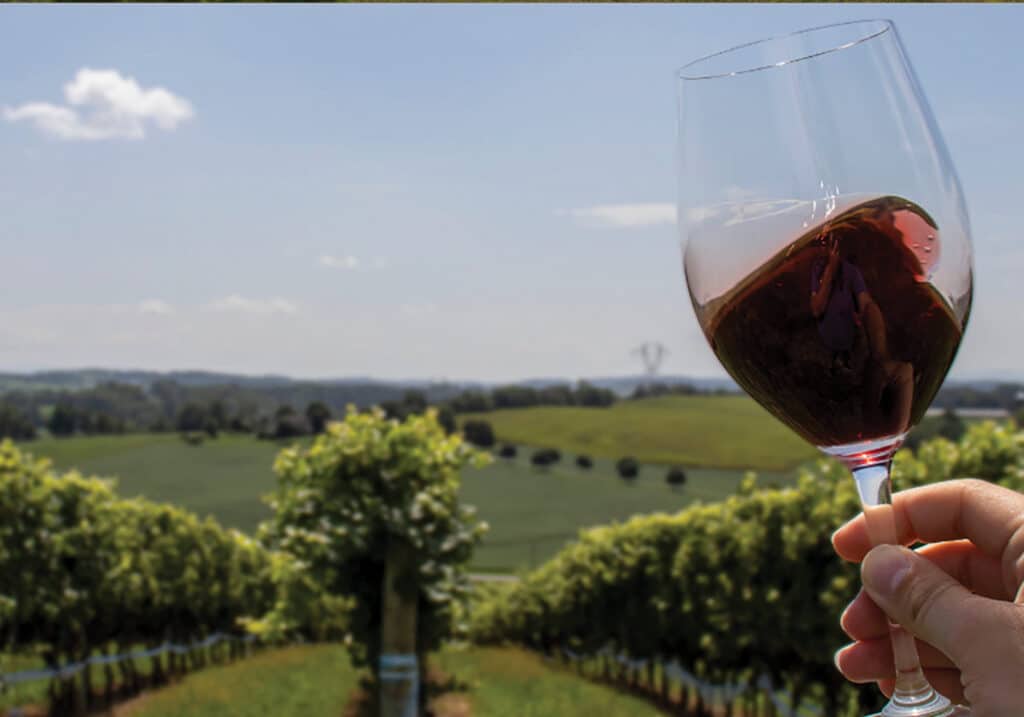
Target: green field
point(311, 681)
point(709, 431)
point(316, 680)
point(532, 512)
point(513, 683)
point(224, 477)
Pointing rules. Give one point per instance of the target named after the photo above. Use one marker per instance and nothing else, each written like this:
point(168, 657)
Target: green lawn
point(303, 681)
point(26, 693)
point(710, 431)
point(532, 513)
point(506, 682)
point(316, 681)
point(224, 477)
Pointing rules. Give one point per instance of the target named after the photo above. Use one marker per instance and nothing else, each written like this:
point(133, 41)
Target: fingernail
point(835, 657)
point(885, 568)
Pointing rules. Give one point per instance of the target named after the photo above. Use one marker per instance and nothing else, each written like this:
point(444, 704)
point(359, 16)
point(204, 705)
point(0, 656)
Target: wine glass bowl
point(827, 250)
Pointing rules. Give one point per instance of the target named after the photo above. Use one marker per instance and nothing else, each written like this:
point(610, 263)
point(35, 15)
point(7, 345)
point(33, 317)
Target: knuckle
point(973, 484)
point(926, 602)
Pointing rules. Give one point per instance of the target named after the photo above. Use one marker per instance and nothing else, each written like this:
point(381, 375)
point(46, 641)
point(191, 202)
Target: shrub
point(508, 451)
point(368, 486)
point(543, 457)
point(627, 467)
point(584, 461)
point(675, 476)
point(478, 432)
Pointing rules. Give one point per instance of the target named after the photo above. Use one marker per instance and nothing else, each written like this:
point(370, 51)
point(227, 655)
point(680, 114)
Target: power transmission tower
point(652, 353)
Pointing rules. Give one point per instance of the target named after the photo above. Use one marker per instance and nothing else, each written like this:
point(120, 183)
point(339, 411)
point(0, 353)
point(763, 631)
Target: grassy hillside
point(224, 477)
point(709, 431)
point(535, 512)
point(532, 513)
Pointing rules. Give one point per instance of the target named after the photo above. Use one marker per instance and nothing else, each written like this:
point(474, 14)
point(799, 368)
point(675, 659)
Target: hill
point(706, 431)
point(532, 512)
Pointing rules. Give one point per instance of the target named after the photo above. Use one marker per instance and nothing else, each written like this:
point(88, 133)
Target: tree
point(192, 417)
point(514, 397)
point(948, 425)
point(508, 451)
point(627, 468)
point(584, 461)
point(446, 417)
point(238, 424)
point(478, 432)
point(86, 571)
point(365, 486)
point(62, 421)
point(104, 424)
point(556, 395)
point(211, 427)
point(415, 401)
point(14, 424)
point(318, 414)
point(471, 402)
point(289, 424)
point(651, 390)
point(544, 457)
point(675, 476)
point(217, 414)
point(590, 395)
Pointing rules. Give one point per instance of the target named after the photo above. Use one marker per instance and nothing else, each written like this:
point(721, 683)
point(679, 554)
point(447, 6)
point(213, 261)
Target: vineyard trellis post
point(399, 671)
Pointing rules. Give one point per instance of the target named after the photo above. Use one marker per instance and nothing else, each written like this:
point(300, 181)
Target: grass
point(299, 681)
point(26, 693)
point(507, 682)
point(532, 513)
point(707, 431)
point(317, 681)
point(224, 477)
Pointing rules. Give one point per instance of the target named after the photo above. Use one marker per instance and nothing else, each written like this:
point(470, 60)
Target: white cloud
point(338, 262)
point(643, 214)
point(104, 104)
point(244, 305)
point(155, 306)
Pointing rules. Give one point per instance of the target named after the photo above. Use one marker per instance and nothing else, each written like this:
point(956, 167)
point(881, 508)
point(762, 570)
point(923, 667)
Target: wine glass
point(828, 253)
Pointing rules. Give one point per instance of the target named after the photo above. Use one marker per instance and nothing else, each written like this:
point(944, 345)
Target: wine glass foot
point(929, 705)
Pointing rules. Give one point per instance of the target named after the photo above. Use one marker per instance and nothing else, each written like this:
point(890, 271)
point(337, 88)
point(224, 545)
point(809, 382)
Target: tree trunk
point(398, 668)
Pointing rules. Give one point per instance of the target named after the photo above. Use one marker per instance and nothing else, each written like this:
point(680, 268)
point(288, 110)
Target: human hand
point(960, 596)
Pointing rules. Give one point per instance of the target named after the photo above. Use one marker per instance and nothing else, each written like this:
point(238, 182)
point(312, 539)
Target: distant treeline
point(281, 409)
point(272, 411)
point(583, 394)
point(166, 405)
point(1009, 396)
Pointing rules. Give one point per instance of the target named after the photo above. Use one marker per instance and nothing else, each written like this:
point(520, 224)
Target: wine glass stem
point(912, 694)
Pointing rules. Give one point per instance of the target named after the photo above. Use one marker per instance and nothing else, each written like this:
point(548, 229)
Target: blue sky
point(411, 191)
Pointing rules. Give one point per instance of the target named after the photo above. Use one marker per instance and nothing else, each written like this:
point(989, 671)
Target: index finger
point(986, 514)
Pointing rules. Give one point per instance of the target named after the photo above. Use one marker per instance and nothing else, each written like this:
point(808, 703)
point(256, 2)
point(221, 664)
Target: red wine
point(841, 335)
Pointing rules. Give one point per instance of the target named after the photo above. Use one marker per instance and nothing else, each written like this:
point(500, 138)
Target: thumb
point(922, 598)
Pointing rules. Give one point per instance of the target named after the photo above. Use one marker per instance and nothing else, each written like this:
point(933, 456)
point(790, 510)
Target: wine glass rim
point(883, 26)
